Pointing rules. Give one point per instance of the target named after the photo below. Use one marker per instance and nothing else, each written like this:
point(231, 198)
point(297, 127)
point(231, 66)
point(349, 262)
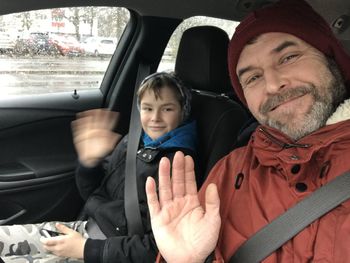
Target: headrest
point(201, 61)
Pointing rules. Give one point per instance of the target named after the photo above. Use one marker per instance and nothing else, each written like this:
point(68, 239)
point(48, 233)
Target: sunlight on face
point(159, 116)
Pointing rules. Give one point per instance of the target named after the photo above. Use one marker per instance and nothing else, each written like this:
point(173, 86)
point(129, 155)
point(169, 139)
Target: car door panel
point(37, 157)
point(61, 202)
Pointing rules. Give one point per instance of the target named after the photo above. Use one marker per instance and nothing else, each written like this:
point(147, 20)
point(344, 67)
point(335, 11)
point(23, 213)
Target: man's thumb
point(212, 200)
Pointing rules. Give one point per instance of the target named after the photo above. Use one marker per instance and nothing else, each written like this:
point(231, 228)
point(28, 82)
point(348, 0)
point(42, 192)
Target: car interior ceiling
point(336, 12)
point(227, 9)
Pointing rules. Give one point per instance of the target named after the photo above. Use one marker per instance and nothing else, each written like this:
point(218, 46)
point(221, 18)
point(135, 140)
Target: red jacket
point(262, 180)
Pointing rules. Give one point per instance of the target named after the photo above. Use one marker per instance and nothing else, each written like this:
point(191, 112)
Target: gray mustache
point(274, 100)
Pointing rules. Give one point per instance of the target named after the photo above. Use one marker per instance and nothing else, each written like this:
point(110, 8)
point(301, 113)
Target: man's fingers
point(212, 213)
point(152, 197)
point(212, 200)
point(178, 175)
point(165, 189)
point(182, 180)
point(190, 176)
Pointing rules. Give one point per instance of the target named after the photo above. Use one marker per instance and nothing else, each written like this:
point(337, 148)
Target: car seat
point(202, 65)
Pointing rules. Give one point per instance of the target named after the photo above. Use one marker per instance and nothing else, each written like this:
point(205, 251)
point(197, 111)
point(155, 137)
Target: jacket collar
point(342, 113)
point(282, 141)
point(183, 136)
point(270, 145)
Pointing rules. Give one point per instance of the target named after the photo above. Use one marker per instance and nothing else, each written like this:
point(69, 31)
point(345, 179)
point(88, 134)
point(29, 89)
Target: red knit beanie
point(294, 17)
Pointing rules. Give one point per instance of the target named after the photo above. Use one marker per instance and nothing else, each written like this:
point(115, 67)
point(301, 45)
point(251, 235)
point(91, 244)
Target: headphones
point(174, 81)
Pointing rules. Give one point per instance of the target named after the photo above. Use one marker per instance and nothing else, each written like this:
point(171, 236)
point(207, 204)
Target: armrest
point(10, 172)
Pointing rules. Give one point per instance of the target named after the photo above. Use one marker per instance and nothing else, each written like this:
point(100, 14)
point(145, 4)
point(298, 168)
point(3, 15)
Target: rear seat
point(202, 64)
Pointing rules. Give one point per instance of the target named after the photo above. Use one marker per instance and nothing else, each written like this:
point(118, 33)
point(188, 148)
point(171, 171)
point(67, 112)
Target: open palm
point(183, 230)
point(93, 135)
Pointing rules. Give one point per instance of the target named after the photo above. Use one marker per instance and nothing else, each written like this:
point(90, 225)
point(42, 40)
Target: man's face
point(288, 84)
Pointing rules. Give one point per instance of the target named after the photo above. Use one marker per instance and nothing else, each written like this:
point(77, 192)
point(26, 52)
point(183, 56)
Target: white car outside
point(99, 46)
point(6, 42)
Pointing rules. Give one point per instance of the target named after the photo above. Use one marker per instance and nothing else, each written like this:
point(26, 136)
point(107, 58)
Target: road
point(40, 74)
point(34, 75)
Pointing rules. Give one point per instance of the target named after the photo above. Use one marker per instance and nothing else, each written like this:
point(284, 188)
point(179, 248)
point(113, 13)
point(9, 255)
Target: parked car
point(41, 43)
point(36, 43)
point(99, 46)
point(7, 43)
point(67, 45)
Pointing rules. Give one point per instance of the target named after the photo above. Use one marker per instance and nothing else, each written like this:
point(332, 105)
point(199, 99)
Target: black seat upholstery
point(202, 64)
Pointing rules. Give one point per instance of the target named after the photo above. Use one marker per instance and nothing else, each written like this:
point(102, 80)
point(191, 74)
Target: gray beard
point(315, 119)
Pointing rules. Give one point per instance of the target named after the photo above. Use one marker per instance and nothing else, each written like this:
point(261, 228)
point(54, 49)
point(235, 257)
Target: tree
point(112, 21)
point(90, 15)
point(26, 20)
point(75, 17)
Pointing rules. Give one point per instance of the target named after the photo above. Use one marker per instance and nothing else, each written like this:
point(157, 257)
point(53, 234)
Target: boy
point(164, 104)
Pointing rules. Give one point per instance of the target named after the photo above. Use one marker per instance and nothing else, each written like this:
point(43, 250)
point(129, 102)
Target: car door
point(40, 95)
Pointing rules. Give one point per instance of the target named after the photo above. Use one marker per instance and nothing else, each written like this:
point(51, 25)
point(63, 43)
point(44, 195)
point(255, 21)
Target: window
point(43, 51)
point(168, 60)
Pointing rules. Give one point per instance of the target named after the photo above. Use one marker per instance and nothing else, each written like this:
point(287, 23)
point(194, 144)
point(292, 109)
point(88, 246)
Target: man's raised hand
point(184, 231)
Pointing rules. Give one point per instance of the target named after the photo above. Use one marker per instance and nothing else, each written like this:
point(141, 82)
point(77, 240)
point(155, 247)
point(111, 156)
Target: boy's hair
point(155, 82)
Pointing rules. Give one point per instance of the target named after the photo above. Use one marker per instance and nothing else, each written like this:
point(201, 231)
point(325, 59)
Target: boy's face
point(159, 116)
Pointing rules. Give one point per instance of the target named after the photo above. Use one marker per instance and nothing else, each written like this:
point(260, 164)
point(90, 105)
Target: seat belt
point(295, 219)
point(131, 198)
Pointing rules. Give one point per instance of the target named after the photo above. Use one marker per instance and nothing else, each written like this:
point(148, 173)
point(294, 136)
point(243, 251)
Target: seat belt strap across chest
point(131, 199)
point(286, 226)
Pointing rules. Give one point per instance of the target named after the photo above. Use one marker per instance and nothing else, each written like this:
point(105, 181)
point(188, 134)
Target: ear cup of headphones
point(186, 105)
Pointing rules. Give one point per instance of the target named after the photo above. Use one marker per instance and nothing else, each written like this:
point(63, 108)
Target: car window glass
point(48, 51)
point(168, 60)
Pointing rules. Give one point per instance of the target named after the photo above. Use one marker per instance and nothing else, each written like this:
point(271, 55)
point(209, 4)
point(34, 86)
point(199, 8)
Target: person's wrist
point(82, 246)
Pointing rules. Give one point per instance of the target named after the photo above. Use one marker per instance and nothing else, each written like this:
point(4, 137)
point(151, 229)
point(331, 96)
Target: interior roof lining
point(226, 9)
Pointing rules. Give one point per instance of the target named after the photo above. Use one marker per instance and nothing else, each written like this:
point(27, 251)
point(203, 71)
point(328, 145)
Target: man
point(292, 73)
